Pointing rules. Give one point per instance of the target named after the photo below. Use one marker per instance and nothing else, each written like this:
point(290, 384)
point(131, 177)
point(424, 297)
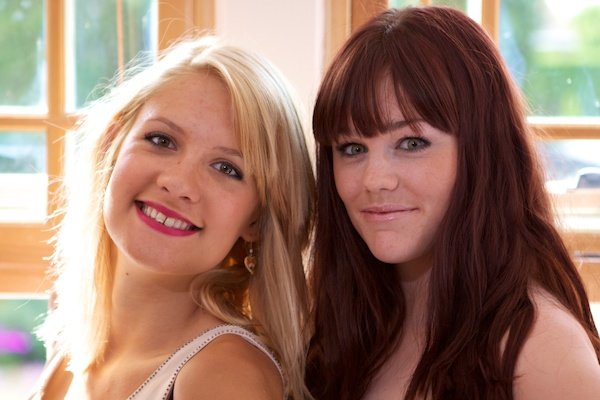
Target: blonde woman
point(179, 258)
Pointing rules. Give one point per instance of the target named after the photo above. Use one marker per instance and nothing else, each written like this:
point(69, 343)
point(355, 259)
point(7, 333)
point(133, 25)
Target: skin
point(396, 187)
point(182, 156)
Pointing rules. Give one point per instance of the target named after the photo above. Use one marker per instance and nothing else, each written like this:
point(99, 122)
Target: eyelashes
point(160, 140)
point(410, 144)
point(415, 143)
point(351, 149)
point(226, 168)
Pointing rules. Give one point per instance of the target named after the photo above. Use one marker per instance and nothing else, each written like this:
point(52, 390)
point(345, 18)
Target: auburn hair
point(497, 237)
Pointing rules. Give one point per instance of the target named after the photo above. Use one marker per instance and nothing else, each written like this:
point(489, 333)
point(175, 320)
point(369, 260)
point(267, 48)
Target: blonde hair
point(272, 302)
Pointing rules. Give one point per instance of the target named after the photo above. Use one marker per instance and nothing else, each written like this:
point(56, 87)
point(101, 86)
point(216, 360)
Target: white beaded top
point(159, 384)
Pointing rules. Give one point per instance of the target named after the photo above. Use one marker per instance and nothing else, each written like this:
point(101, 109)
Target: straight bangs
point(347, 101)
point(350, 98)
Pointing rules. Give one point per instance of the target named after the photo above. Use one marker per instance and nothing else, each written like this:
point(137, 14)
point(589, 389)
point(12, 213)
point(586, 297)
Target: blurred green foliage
point(94, 54)
point(96, 38)
point(556, 81)
point(22, 52)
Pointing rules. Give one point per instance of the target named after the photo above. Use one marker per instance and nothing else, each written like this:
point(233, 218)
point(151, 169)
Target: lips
point(387, 209)
point(161, 217)
point(385, 212)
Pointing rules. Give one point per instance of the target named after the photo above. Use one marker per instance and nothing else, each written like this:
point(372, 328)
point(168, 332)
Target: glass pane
point(460, 4)
point(23, 177)
point(403, 3)
point(553, 51)
point(22, 59)
point(22, 356)
point(105, 36)
point(573, 179)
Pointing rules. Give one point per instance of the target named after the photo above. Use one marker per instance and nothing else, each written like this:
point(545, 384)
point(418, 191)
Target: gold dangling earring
point(250, 260)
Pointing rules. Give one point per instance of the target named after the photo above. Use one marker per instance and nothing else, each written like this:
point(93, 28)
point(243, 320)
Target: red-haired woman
point(438, 271)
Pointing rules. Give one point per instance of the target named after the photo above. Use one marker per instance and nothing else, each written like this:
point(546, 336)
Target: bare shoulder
point(229, 368)
point(558, 360)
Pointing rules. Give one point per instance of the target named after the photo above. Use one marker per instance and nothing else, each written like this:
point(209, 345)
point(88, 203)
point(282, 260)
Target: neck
point(153, 313)
point(416, 293)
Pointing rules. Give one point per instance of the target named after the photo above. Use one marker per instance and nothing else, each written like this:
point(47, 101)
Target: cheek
point(345, 181)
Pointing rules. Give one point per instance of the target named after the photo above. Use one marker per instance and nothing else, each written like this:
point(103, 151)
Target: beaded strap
point(163, 378)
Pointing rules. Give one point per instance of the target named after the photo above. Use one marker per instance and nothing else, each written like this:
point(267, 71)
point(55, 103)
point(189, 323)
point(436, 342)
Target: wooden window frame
point(25, 248)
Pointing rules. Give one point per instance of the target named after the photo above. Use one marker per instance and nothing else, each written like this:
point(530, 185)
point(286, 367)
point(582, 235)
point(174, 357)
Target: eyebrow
point(175, 127)
point(230, 151)
point(169, 123)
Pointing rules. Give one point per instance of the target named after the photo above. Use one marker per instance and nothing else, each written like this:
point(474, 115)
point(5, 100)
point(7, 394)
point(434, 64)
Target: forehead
point(197, 104)
point(191, 95)
point(199, 86)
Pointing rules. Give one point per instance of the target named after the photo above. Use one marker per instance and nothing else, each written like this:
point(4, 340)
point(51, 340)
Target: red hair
point(497, 237)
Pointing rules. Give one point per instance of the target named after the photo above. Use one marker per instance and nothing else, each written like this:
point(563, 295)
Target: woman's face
point(179, 196)
point(396, 186)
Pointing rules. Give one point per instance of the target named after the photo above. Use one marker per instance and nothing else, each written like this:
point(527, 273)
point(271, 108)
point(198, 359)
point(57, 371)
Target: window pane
point(23, 177)
point(105, 36)
point(460, 4)
point(22, 356)
point(573, 179)
point(553, 51)
point(403, 3)
point(22, 59)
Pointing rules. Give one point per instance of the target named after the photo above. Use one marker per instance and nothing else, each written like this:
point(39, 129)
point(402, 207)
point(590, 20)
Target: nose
point(380, 174)
point(181, 179)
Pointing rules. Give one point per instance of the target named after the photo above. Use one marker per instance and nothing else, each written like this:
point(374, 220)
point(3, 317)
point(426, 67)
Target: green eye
point(413, 144)
point(352, 149)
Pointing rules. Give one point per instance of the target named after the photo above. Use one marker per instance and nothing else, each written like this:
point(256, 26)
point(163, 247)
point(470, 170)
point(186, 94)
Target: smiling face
point(396, 186)
point(180, 194)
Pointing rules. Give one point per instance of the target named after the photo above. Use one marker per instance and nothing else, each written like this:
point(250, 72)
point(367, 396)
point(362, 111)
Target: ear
point(252, 232)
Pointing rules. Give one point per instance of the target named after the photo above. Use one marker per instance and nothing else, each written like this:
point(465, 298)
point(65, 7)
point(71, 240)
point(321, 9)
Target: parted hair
point(269, 124)
point(497, 238)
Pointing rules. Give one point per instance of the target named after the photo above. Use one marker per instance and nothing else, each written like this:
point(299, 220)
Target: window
point(54, 53)
point(552, 48)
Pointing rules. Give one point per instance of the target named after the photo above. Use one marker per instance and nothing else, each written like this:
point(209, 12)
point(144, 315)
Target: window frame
point(25, 248)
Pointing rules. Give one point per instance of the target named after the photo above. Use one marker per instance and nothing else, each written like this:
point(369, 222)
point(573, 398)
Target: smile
point(158, 217)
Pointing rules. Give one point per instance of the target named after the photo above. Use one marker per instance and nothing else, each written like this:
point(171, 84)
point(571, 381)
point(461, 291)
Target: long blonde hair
point(272, 302)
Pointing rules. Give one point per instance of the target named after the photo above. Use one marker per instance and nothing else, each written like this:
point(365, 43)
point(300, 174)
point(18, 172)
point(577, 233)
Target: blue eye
point(160, 139)
point(351, 149)
point(228, 169)
point(413, 144)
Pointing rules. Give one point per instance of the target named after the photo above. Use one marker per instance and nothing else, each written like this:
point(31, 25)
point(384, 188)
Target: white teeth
point(169, 222)
point(178, 225)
